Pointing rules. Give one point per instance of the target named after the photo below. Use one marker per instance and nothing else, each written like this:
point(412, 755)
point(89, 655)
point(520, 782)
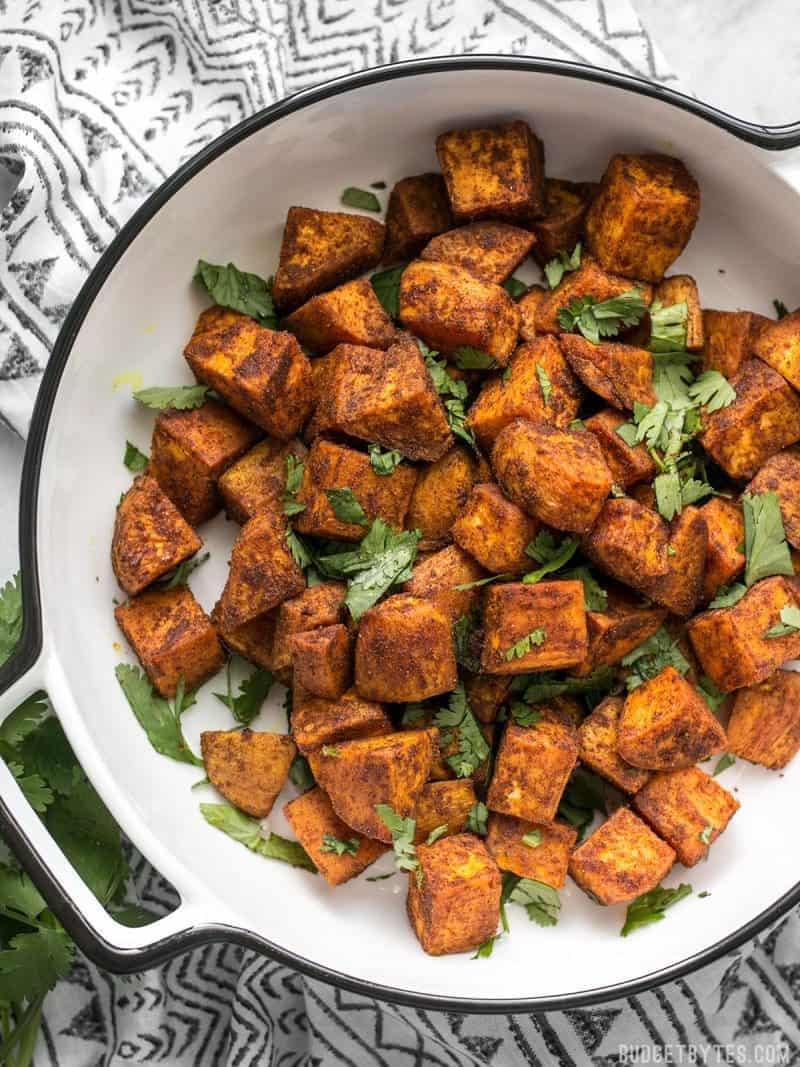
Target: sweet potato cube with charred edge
point(254, 641)
point(781, 475)
point(172, 637)
point(331, 466)
point(351, 315)
point(565, 207)
point(262, 574)
point(448, 307)
point(190, 450)
point(621, 860)
point(762, 420)
point(528, 306)
point(496, 172)
point(313, 820)
point(778, 345)
point(263, 374)
point(486, 694)
point(618, 630)
point(514, 611)
point(248, 768)
point(495, 531)
point(388, 398)
point(558, 476)
point(643, 216)
point(688, 808)
point(729, 338)
point(404, 651)
point(441, 491)
point(681, 587)
point(620, 374)
point(257, 481)
point(323, 375)
point(546, 862)
point(764, 726)
point(627, 465)
point(358, 775)
point(519, 394)
point(597, 747)
point(437, 578)
point(725, 530)
point(317, 721)
point(418, 210)
point(682, 288)
point(491, 251)
point(319, 605)
point(532, 768)
point(455, 905)
point(730, 642)
point(321, 249)
point(588, 280)
point(322, 660)
point(151, 537)
point(665, 725)
point(444, 804)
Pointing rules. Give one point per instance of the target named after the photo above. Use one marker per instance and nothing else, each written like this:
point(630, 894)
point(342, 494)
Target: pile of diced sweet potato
point(388, 704)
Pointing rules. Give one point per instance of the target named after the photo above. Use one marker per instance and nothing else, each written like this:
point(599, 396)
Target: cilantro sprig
point(295, 469)
point(551, 552)
point(522, 647)
point(253, 691)
point(177, 397)
point(383, 462)
point(159, 719)
point(239, 290)
point(453, 393)
point(402, 830)
point(247, 832)
point(562, 264)
point(765, 547)
point(650, 907)
point(652, 656)
point(133, 459)
point(596, 319)
point(457, 722)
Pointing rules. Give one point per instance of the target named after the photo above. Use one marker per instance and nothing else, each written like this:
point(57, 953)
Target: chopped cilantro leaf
point(550, 552)
point(386, 284)
point(650, 907)
point(544, 383)
point(247, 832)
point(253, 691)
point(467, 358)
point(179, 397)
point(233, 288)
point(563, 263)
point(133, 459)
point(476, 820)
point(295, 470)
point(604, 318)
point(789, 624)
point(522, 647)
point(346, 507)
point(362, 199)
point(383, 463)
point(725, 761)
point(765, 545)
point(402, 831)
point(457, 722)
point(652, 656)
point(515, 288)
point(338, 846)
point(728, 595)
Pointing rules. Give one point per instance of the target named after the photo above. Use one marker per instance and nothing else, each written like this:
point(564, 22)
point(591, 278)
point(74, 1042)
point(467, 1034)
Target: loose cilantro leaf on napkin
point(179, 397)
point(650, 907)
point(237, 289)
point(159, 719)
point(247, 832)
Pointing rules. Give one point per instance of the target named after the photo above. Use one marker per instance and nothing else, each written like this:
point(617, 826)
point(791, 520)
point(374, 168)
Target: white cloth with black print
point(99, 101)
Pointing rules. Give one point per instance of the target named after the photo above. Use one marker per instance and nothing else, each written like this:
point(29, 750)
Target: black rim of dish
point(83, 933)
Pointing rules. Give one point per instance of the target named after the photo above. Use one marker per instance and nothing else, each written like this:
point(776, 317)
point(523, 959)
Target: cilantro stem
point(26, 1028)
point(18, 917)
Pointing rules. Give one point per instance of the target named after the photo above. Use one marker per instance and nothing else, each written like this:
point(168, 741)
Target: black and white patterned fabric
point(99, 101)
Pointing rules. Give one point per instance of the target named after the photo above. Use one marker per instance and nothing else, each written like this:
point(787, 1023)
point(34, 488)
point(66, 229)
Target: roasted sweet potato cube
point(350, 314)
point(763, 419)
point(323, 374)
point(249, 768)
point(449, 745)
point(449, 308)
point(190, 450)
point(319, 605)
point(151, 537)
point(688, 808)
point(172, 637)
point(589, 280)
point(358, 775)
point(263, 374)
point(495, 531)
point(318, 828)
point(440, 492)
point(444, 804)
point(545, 855)
point(316, 721)
point(681, 587)
point(643, 216)
point(731, 643)
point(764, 726)
point(321, 249)
point(665, 725)
point(322, 661)
point(532, 768)
point(729, 339)
point(486, 694)
point(597, 747)
point(561, 227)
point(517, 616)
point(496, 172)
point(682, 289)
point(629, 541)
point(621, 860)
point(628, 465)
point(491, 251)
point(620, 374)
point(332, 466)
point(518, 393)
point(619, 629)
point(388, 398)
point(262, 574)
point(528, 305)
point(437, 578)
point(781, 475)
point(257, 481)
point(418, 210)
point(254, 641)
point(725, 558)
point(404, 651)
point(778, 345)
point(558, 476)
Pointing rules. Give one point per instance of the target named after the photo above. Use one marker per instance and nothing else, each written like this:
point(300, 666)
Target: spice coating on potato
point(565, 207)
point(554, 612)
point(643, 216)
point(350, 314)
point(621, 860)
point(781, 475)
point(448, 308)
point(495, 531)
point(322, 660)
point(358, 775)
point(491, 251)
point(588, 280)
point(404, 651)
point(247, 767)
point(628, 465)
point(620, 374)
point(558, 476)
point(418, 210)
point(316, 721)
point(454, 906)
point(321, 249)
point(598, 736)
point(256, 483)
point(725, 559)
point(319, 605)
point(495, 172)
point(762, 420)
point(778, 345)
point(532, 768)
point(151, 537)
point(682, 289)
point(545, 862)
point(254, 641)
point(617, 630)
point(444, 804)
point(680, 589)
point(764, 726)
point(437, 578)
point(528, 305)
point(729, 339)
point(486, 694)
point(314, 821)
point(172, 637)
point(440, 492)
point(688, 808)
